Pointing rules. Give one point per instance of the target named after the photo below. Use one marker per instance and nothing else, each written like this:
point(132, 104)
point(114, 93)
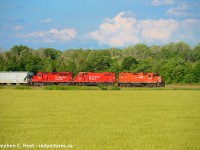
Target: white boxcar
point(13, 77)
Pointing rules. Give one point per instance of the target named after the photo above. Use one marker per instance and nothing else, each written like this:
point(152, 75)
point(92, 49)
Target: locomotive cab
point(40, 77)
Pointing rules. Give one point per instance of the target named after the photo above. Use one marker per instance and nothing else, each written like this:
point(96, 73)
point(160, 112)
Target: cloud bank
point(46, 20)
point(51, 36)
point(123, 30)
point(162, 2)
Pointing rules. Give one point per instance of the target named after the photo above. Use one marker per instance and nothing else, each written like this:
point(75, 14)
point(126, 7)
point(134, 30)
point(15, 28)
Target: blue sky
point(66, 24)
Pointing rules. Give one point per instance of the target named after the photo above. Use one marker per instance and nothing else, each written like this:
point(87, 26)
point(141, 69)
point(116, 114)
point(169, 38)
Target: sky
point(98, 24)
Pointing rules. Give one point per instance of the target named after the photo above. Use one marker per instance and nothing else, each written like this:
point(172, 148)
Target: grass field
point(111, 120)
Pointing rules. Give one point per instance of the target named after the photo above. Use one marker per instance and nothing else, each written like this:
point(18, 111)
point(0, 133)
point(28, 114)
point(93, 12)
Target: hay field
point(87, 120)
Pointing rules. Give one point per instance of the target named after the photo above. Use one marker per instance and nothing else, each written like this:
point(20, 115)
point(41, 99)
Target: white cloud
point(117, 31)
point(162, 2)
point(180, 10)
point(51, 36)
point(46, 20)
point(189, 30)
point(161, 29)
point(18, 28)
point(123, 31)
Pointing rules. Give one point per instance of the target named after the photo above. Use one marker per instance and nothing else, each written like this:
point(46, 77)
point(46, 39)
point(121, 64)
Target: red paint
point(90, 77)
point(141, 77)
point(55, 77)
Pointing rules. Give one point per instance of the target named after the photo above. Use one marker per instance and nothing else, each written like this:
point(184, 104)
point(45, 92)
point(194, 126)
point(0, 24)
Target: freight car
point(58, 78)
point(16, 78)
point(90, 78)
point(141, 79)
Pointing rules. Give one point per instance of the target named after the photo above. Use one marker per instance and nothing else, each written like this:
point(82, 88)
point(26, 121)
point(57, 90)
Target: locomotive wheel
point(77, 84)
point(121, 85)
point(128, 85)
point(149, 85)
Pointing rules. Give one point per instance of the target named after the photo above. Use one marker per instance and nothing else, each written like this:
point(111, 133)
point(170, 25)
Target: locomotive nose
point(159, 79)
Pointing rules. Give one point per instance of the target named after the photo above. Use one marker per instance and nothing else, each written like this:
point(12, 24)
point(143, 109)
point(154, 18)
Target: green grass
point(101, 87)
point(57, 87)
point(111, 120)
point(23, 87)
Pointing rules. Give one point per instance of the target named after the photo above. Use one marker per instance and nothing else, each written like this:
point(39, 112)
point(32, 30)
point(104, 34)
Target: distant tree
point(71, 66)
point(51, 53)
point(114, 66)
point(17, 50)
point(156, 52)
point(33, 63)
point(196, 52)
point(98, 61)
point(183, 50)
point(115, 52)
point(128, 63)
point(176, 71)
point(1, 62)
point(12, 64)
point(143, 66)
point(139, 51)
point(196, 72)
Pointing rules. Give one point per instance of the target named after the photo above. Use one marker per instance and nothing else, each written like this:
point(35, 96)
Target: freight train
point(125, 79)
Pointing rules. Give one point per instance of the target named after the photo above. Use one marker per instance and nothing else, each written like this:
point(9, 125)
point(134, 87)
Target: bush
point(54, 87)
point(57, 87)
point(23, 87)
point(103, 87)
point(115, 87)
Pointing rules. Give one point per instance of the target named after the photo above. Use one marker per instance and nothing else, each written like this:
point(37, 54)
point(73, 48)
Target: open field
point(56, 87)
point(124, 119)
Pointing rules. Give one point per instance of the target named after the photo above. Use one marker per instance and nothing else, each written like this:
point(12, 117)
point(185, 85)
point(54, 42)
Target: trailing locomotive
point(141, 79)
point(126, 79)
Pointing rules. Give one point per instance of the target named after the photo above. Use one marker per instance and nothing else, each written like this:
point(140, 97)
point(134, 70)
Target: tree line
point(175, 62)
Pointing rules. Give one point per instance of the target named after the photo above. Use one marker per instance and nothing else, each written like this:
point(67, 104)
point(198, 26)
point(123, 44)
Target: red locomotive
point(90, 78)
point(127, 79)
point(61, 78)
